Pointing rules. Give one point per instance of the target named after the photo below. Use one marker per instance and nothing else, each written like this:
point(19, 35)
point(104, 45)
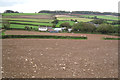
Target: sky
point(32, 6)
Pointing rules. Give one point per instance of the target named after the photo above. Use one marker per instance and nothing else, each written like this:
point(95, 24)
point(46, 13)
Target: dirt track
point(61, 58)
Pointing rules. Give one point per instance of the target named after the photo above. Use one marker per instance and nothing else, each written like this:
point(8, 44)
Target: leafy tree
point(10, 11)
point(5, 24)
point(66, 24)
point(84, 27)
point(98, 21)
point(28, 28)
point(105, 28)
point(55, 21)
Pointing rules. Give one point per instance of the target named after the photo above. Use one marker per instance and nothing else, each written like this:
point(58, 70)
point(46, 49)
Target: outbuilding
point(42, 28)
point(58, 29)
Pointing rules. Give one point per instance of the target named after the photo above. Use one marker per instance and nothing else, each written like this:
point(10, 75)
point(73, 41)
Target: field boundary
point(43, 37)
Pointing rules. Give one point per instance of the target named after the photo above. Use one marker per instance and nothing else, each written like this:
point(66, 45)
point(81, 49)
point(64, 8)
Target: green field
point(109, 21)
point(101, 17)
point(74, 18)
point(18, 14)
point(17, 26)
point(31, 23)
point(60, 22)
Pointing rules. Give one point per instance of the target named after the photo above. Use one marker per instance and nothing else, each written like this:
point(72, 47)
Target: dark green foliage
point(98, 21)
point(111, 38)
point(42, 37)
point(11, 11)
point(28, 28)
point(84, 27)
point(105, 28)
point(66, 24)
point(116, 22)
point(6, 24)
point(55, 21)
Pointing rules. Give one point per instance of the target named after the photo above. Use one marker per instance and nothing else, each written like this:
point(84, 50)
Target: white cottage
point(69, 30)
point(42, 28)
point(58, 29)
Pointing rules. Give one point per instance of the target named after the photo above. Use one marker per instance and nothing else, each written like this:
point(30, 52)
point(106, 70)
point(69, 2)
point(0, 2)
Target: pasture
point(108, 17)
point(20, 20)
point(75, 18)
point(60, 22)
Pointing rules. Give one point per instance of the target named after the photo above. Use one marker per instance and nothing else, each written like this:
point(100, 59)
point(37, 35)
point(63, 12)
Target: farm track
point(50, 58)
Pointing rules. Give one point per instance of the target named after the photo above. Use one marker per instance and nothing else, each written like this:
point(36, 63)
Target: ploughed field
point(89, 36)
point(59, 58)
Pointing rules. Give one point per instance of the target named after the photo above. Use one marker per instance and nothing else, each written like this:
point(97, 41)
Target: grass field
point(60, 22)
point(17, 26)
point(31, 23)
point(20, 20)
point(74, 18)
point(18, 14)
point(101, 16)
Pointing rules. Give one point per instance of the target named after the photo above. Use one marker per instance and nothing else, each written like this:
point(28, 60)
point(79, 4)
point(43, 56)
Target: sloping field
point(31, 23)
point(60, 22)
point(19, 14)
point(75, 18)
point(51, 58)
point(17, 26)
point(28, 19)
point(31, 16)
point(101, 17)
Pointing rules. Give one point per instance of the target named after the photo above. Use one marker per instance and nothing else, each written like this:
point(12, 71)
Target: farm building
point(58, 29)
point(69, 30)
point(42, 28)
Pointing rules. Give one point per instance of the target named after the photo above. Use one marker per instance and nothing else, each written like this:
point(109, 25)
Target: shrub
point(66, 24)
point(99, 21)
point(105, 28)
point(84, 27)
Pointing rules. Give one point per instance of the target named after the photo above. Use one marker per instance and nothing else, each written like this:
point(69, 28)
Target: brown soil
point(32, 16)
point(61, 58)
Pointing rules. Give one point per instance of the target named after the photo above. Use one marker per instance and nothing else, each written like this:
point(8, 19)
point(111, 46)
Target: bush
point(99, 21)
point(105, 28)
point(84, 27)
point(66, 24)
point(6, 24)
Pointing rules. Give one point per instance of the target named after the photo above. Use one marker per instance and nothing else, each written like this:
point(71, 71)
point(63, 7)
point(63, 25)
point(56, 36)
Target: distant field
point(18, 14)
point(101, 16)
point(31, 23)
point(17, 26)
point(109, 21)
point(74, 18)
point(60, 22)
point(24, 19)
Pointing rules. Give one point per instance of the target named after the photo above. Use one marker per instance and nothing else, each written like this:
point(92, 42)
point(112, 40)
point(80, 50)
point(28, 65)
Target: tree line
point(68, 12)
point(79, 12)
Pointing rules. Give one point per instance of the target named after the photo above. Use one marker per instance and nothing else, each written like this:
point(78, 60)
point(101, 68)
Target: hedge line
point(42, 37)
point(111, 38)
